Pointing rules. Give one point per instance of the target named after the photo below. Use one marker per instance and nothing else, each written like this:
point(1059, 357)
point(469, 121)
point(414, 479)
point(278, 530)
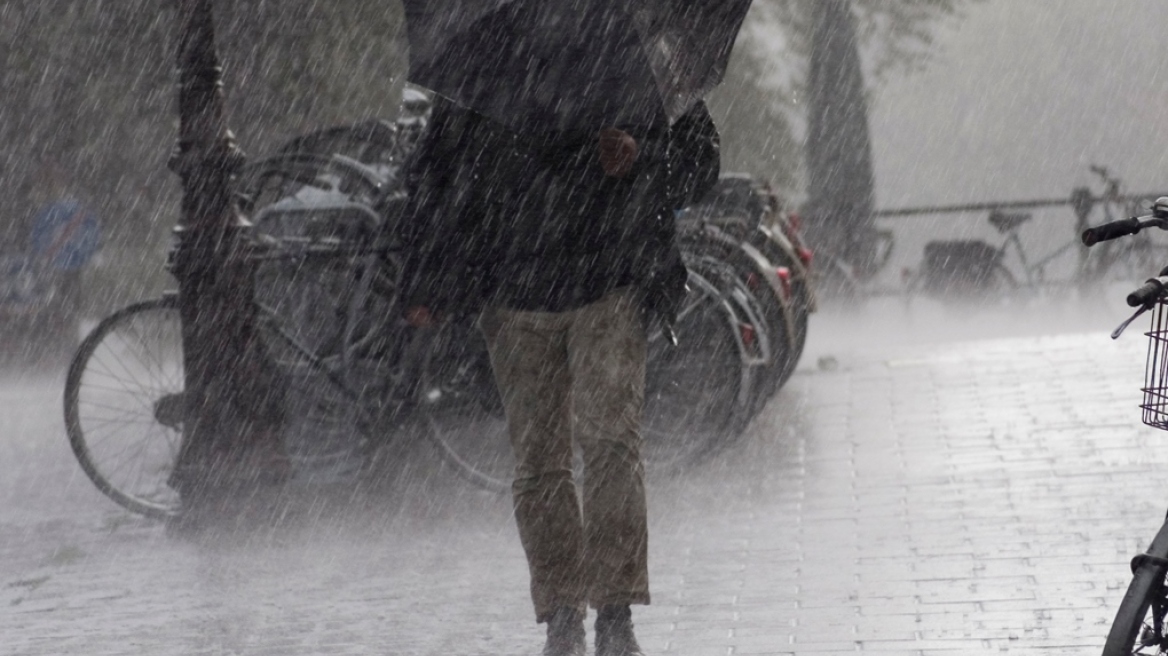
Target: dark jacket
point(531, 222)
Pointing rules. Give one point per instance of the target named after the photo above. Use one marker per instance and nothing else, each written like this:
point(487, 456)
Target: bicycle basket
point(1155, 388)
point(960, 266)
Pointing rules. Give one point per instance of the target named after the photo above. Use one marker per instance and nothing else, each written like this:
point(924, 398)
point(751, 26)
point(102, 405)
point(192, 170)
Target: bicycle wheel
point(309, 296)
point(370, 329)
point(1139, 623)
point(1139, 626)
point(124, 406)
point(801, 303)
point(998, 287)
point(759, 280)
point(697, 393)
point(333, 409)
point(759, 320)
point(801, 306)
point(460, 409)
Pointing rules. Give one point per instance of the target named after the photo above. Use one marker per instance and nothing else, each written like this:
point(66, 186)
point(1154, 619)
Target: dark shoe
point(614, 632)
point(565, 634)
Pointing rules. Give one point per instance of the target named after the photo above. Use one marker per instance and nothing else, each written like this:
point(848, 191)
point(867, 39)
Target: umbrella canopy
point(572, 64)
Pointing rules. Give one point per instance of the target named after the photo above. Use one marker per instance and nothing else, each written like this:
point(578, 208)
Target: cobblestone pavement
point(903, 494)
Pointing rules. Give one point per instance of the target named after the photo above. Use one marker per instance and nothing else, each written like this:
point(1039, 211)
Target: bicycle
point(124, 400)
point(741, 223)
point(977, 270)
point(326, 276)
point(1139, 626)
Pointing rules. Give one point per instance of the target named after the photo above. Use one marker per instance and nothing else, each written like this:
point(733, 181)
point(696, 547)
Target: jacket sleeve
point(432, 227)
point(695, 156)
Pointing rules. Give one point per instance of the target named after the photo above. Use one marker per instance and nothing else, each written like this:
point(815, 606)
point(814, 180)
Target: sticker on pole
point(65, 235)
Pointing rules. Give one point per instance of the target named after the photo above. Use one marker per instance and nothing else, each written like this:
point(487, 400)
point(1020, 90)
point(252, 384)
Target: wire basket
point(1155, 388)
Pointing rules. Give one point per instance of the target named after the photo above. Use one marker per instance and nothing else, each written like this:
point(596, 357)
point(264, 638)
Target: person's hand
point(618, 151)
point(419, 316)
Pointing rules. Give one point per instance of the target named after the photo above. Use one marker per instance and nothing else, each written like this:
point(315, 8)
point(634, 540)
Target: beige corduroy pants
point(576, 377)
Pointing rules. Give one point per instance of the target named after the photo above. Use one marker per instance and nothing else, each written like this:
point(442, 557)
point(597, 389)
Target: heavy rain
point(661, 327)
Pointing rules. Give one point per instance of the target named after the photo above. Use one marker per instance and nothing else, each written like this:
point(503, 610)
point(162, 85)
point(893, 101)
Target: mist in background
point(976, 101)
point(1021, 98)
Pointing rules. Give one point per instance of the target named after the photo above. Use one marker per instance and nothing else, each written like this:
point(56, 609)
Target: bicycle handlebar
point(1114, 230)
point(1151, 290)
point(1157, 219)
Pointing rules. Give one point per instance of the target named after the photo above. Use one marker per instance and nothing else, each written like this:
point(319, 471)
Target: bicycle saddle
point(1006, 222)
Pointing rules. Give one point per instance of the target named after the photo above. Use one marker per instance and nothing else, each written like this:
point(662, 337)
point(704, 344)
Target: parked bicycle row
point(345, 373)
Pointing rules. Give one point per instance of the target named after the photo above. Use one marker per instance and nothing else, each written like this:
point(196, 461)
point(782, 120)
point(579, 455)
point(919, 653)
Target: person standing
point(561, 237)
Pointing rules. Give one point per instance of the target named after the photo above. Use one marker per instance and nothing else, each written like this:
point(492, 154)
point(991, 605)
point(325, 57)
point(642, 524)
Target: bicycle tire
point(310, 298)
point(1131, 620)
point(759, 321)
point(460, 409)
point(336, 413)
point(1145, 594)
point(370, 328)
point(769, 301)
point(138, 404)
point(1001, 286)
point(801, 303)
point(697, 393)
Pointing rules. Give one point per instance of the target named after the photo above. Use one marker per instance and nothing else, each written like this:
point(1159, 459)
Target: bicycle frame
point(1035, 273)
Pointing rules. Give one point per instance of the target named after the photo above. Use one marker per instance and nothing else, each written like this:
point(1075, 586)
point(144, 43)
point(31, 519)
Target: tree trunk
point(839, 155)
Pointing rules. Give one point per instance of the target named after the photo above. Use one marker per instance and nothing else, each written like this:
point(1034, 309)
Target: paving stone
point(975, 497)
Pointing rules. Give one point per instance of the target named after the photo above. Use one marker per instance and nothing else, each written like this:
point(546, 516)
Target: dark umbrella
point(573, 63)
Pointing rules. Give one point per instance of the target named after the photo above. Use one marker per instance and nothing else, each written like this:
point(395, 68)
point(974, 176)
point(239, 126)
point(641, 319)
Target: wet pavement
point(932, 480)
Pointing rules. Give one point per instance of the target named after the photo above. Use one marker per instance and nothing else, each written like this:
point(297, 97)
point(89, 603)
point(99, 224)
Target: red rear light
point(796, 222)
point(784, 275)
point(805, 256)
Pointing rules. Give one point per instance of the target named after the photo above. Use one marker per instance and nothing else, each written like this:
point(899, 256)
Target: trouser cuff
point(622, 599)
point(542, 615)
